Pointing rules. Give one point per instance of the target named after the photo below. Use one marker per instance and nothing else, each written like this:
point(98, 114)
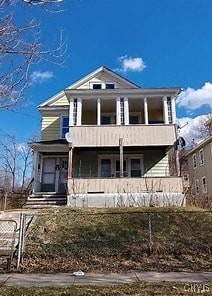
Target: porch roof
point(58, 145)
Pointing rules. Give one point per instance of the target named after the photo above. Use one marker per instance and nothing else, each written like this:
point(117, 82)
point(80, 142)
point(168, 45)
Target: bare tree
point(15, 162)
point(20, 48)
point(200, 132)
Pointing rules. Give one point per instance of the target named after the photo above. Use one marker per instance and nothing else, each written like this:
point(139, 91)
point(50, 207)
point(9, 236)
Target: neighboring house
point(105, 139)
point(200, 165)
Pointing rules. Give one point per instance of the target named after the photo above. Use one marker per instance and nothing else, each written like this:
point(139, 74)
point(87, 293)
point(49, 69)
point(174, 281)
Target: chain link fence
point(117, 241)
point(8, 234)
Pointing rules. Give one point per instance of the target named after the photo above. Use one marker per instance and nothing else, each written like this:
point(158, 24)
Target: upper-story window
point(102, 85)
point(109, 85)
point(169, 106)
point(133, 119)
point(65, 126)
point(97, 86)
point(201, 157)
point(194, 158)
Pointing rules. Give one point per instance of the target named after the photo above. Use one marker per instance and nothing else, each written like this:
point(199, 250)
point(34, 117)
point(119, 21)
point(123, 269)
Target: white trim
point(165, 110)
point(88, 77)
point(146, 118)
point(173, 104)
point(79, 111)
point(98, 112)
point(126, 111)
point(97, 72)
point(71, 108)
point(118, 119)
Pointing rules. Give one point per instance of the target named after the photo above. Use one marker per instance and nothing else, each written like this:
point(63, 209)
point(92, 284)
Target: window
point(65, 126)
point(135, 167)
point(105, 168)
point(133, 119)
point(105, 119)
point(117, 166)
point(201, 157)
point(197, 185)
point(194, 158)
point(97, 86)
point(169, 106)
point(109, 86)
point(204, 185)
point(122, 110)
point(75, 112)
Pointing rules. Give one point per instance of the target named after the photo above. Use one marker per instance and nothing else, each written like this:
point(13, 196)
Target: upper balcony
point(132, 135)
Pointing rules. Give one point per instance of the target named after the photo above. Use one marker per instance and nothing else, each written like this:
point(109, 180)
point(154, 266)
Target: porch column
point(121, 158)
point(173, 104)
point(146, 118)
point(79, 111)
point(70, 161)
point(71, 107)
point(98, 112)
point(35, 171)
point(118, 119)
point(165, 110)
point(126, 111)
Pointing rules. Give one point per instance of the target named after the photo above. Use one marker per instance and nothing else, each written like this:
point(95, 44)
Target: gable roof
point(88, 77)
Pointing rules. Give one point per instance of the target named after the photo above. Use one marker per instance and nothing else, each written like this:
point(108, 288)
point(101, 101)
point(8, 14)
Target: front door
point(54, 174)
point(48, 175)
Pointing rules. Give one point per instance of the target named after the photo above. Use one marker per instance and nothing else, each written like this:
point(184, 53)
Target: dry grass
point(117, 241)
point(137, 289)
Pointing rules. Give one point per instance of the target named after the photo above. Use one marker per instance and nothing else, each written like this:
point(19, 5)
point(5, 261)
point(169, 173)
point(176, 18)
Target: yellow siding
point(50, 128)
point(100, 79)
point(160, 169)
point(61, 102)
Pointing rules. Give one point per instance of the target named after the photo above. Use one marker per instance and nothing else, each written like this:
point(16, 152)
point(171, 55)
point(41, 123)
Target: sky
point(153, 43)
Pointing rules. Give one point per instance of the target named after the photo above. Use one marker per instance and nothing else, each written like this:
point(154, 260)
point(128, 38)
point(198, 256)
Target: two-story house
point(200, 165)
point(104, 142)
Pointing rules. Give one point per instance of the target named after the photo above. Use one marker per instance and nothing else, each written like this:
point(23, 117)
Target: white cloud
point(39, 77)
point(194, 99)
point(131, 64)
point(190, 128)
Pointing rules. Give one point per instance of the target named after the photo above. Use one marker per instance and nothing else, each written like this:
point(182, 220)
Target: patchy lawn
point(137, 289)
point(117, 240)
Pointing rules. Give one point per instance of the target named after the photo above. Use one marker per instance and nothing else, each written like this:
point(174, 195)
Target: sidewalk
point(67, 279)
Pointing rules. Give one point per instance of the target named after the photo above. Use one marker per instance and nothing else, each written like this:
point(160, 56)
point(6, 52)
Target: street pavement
point(68, 279)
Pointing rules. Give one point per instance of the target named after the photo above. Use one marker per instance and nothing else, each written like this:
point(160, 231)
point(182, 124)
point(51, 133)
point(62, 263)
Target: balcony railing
point(133, 135)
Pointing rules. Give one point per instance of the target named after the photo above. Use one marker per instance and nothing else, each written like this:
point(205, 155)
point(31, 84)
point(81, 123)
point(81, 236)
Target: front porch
point(113, 192)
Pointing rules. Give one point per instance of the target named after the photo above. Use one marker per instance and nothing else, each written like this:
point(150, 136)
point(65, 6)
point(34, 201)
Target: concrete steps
point(45, 200)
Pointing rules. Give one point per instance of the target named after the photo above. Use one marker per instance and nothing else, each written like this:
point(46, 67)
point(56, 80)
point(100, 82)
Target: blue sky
point(153, 43)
